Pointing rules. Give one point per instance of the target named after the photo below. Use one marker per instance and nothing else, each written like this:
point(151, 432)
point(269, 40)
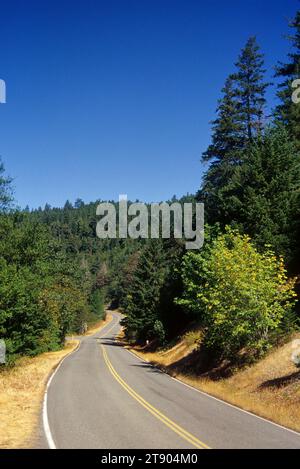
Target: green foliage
point(97, 303)
point(193, 338)
point(40, 298)
point(251, 88)
point(265, 195)
point(6, 193)
point(287, 111)
point(150, 312)
point(141, 304)
point(240, 296)
point(239, 120)
point(159, 331)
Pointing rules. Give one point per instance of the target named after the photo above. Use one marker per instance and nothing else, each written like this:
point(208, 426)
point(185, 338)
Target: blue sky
point(115, 97)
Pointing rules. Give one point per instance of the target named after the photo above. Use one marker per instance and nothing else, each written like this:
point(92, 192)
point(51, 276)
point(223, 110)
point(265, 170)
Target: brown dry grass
point(21, 393)
point(99, 325)
point(269, 388)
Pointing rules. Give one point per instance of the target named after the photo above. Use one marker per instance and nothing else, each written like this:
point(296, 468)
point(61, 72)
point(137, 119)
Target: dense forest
point(241, 287)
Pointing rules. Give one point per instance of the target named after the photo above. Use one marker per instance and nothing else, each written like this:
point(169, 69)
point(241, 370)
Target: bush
point(159, 331)
point(193, 338)
point(240, 295)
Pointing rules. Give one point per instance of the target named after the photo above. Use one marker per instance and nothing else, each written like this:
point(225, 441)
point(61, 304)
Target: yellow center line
point(159, 415)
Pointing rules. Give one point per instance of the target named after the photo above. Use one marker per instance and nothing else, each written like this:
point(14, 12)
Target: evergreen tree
point(268, 192)
point(251, 88)
point(227, 128)
point(5, 189)
point(224, 152)
point(240, 119)
point(287, 111)
point(142, 303)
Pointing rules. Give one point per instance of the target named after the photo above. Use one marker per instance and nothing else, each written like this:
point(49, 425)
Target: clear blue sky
point(106, 98)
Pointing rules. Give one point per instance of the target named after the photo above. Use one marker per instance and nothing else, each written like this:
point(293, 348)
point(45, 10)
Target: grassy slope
point(269, 388)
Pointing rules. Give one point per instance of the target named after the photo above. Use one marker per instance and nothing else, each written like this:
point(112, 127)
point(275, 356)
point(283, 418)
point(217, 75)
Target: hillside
point(269, 388)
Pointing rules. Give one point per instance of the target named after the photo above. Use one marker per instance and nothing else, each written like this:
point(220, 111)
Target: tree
point(102, 276)
point(287, 111)
point(267, 192)
point(6, 196)
point(240, 296)
point(227, 128)
point(79, 203)
point(143, 301)
point(251, 88)
point(154, 282)
point(224, 152)
point(240, 119)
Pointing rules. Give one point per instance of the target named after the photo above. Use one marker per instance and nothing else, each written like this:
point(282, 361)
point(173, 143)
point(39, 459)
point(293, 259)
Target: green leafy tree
point(240, 295)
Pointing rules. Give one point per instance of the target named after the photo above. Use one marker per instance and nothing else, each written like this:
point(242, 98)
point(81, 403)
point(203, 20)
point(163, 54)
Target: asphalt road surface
point(102, 396)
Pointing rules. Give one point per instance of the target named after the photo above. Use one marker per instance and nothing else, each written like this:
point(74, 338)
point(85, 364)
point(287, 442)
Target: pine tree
point(251, 88)
point(5, 189)
point(224, 151)
point(227, 128)
point(287, 111)
point(268, 188)
point(142, 304)
point(240, 119)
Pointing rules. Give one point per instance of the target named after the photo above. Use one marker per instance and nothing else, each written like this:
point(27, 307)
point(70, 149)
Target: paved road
point(102, 396)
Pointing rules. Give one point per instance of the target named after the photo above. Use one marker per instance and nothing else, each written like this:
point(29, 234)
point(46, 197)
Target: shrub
point(240, 295)
point(159, 331)
point(193, 338)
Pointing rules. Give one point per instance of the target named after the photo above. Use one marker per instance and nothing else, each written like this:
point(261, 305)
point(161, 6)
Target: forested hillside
point(56, 275)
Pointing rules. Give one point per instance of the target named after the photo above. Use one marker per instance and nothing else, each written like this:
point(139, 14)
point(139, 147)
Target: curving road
point(102, 396)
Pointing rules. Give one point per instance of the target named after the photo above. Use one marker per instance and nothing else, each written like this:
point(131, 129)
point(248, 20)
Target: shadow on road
point(147, 367)
point(110, 342)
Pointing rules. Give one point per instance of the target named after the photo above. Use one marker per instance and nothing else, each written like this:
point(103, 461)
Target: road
point(102, 396)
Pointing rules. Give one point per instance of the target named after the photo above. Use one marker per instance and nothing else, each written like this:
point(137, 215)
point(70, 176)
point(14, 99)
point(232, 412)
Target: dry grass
point(21, 393)
point(99, 325)
point(269, 388)
point(22, 390)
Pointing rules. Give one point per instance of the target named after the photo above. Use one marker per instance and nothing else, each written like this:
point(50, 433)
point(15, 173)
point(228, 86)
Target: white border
point(46, 425)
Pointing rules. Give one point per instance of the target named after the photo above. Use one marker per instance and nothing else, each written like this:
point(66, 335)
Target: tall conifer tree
point(287, 111)
point(240, 118)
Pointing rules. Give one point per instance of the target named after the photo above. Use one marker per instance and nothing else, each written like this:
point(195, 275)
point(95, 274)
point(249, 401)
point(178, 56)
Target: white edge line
point(213, 397)
point(46, 425)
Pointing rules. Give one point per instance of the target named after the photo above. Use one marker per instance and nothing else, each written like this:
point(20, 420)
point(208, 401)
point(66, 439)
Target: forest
point(241, 287)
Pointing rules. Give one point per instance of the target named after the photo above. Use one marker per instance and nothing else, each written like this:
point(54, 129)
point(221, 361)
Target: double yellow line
point(159, 415)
